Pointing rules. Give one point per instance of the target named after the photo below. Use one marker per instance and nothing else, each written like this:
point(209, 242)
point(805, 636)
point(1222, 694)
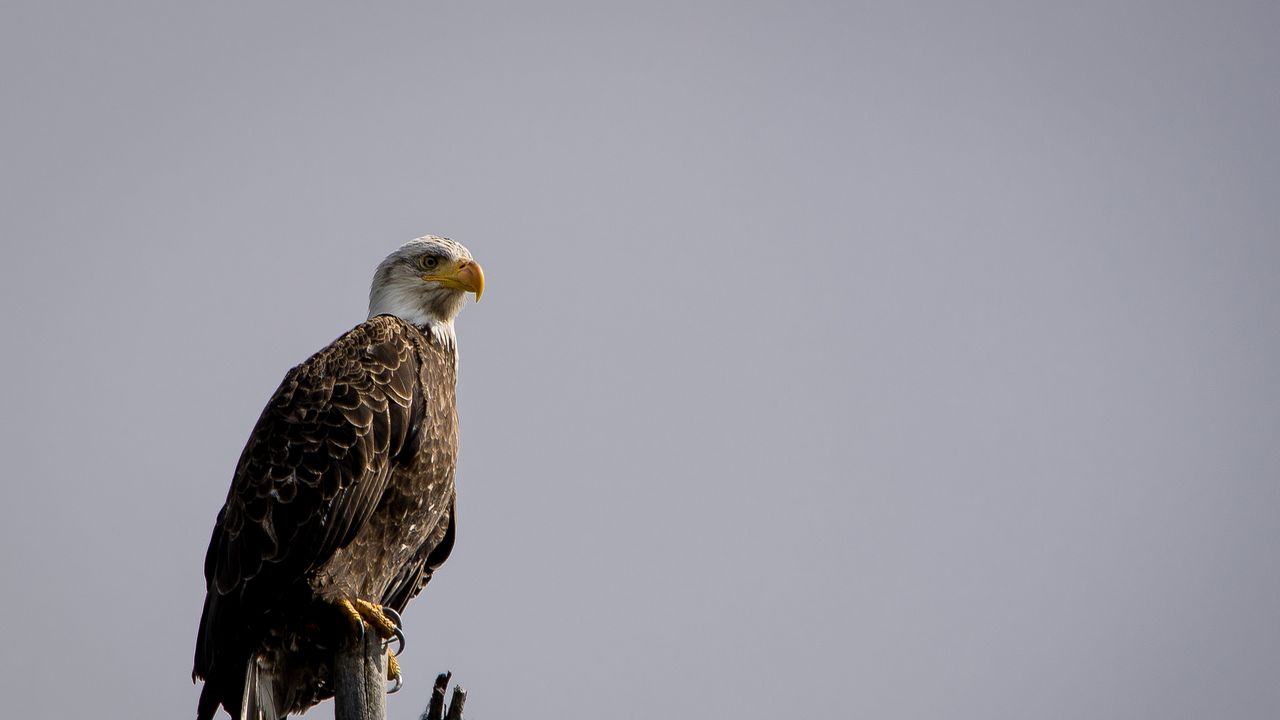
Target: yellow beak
point(465, 275)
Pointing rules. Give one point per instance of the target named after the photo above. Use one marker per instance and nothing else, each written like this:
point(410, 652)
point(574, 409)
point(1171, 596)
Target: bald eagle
point(342, 504)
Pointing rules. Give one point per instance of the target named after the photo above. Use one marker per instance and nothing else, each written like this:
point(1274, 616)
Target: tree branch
point(436, 709)
point(360, 688)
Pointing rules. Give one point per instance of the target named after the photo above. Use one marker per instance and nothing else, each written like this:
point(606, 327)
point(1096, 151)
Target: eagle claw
point(397, 632)
point(385, 621)
point(392, 615)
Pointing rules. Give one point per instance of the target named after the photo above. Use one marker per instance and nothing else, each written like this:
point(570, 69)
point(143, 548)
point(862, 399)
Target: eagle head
point(424, 282)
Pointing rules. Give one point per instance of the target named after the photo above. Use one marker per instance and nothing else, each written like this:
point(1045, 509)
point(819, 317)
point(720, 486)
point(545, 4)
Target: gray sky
point(837, 360)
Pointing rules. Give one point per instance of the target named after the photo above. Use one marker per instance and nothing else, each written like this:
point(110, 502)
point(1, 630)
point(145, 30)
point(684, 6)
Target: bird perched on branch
point(342, 504)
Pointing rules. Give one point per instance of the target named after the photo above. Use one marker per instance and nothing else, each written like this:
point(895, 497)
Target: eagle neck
point(442, 335)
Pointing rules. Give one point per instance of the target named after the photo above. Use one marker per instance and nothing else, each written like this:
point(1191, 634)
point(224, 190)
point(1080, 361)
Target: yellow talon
point(373, 615)
point(362, 612)
point(353, 616)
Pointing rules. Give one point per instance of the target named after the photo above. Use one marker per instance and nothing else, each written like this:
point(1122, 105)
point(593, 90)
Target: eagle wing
point(311, 474)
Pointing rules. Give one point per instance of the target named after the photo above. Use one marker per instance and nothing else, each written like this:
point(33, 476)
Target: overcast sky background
point(837, 360)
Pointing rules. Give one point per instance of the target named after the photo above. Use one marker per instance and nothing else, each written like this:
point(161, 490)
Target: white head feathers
point(424, 282)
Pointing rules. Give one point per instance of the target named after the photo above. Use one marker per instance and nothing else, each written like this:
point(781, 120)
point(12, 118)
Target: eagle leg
point(384, 620)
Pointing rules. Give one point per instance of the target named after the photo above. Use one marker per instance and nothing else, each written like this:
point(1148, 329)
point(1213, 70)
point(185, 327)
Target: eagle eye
point(428, 262)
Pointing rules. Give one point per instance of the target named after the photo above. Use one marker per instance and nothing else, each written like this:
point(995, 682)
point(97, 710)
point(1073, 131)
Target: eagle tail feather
point(261, 695)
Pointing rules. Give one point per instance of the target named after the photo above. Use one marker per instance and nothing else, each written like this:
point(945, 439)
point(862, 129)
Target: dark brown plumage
point(344, 490)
